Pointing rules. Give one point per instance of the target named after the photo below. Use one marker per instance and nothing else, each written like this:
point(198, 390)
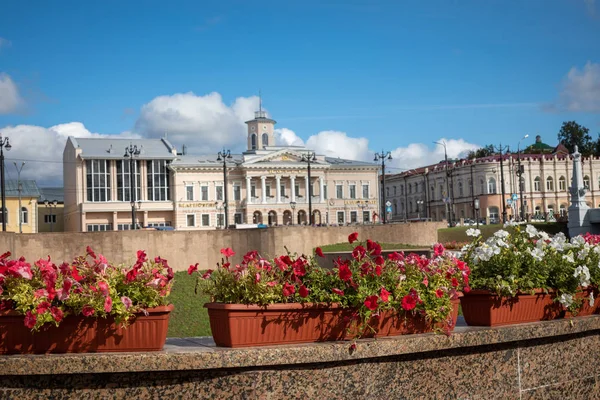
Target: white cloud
point(581, 89)
point(287, 137)
point(10, 100)
point(339, 144)
point(41, 149)
point(204, 123)
point(419, 155)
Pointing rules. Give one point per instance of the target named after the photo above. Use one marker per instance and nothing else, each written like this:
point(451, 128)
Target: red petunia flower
point(108, 304)
point(272, 283)
point(338, 291)
point(303, 291)
point(88, 311)
point(227, 252)
point(409, 302)
point(207, 274)
point(353, 237)
point(379, 260)
point(344, 272)
point(257, 278)
point(425, 281)
point(439, 293)
point(374, 248)
point(192, 269)
point(395, 256)
point(57, 314)
point(438, 249)
point(126, 302)
point(378, 270)
point(103, 286)
point(358, 253)
point(371, 302)
point(384, 295)
point(466, 289)
point(30, 319)
point(42, 307)
point(288, 289)
point(90, 252)
point(319, 252)
point(454, 282)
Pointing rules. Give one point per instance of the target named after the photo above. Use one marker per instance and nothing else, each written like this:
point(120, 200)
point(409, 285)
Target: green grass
point(385, 246)
point(189, 318)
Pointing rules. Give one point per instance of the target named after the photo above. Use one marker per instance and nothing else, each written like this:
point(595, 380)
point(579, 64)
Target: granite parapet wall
point(545, 360)
point(183, 248)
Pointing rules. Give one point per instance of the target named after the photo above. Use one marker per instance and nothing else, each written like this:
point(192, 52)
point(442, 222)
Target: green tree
point(572, 134)
point(485, 151)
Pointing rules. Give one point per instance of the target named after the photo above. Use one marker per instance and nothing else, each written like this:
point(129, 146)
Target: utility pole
point(520, 175)
point(4, 143)
point(20, 189)
point(308, 158)
point(473, 187)
point(383, 156)
point(224, 156)
point(450, 197)
point(501, 150)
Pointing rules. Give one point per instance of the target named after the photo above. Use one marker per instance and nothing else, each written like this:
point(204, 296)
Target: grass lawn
point(189, 317)
point(385, 246)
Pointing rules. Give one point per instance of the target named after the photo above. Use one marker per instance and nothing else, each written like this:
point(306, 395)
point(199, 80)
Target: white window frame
point(343, 214)
point(217, 192)
point(202, 187)
point(202, 219)
point(367, 186)
point(189, 186)
point(187, 222)
point(339, 195)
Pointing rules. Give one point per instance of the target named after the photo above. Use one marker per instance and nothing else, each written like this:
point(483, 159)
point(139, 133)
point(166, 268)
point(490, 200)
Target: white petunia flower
point(578, 240)
point(583, 274)
point(543, 235)
point(591, 298)
point(569, 258)
point(566, 300)
point(531, 231)
point(537, 254)
point(501, 234)
point(473, 232)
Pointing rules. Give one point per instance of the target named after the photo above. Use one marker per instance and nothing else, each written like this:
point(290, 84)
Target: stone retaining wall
point(545, 360)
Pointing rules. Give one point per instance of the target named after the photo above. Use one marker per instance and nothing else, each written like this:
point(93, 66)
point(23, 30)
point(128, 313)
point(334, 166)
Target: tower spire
point(259, 101)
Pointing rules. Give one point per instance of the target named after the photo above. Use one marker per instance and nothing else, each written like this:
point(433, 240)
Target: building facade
point(266, 184)
point(51, 210)
point(428, 192)
point(21, 206)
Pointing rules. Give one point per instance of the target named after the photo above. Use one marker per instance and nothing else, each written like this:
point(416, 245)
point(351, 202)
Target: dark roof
point(114, 148)
point(51, 194)
point(28, 188)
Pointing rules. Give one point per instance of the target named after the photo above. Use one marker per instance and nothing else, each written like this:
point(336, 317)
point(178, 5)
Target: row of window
point(122, 227)
point(24, 215)
point(204, 220)
point(98, 180)
point(341, 217)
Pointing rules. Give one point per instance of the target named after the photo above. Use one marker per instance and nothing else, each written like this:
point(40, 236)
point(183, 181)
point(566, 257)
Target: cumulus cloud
point(41, 149)
point(287, 137)
point(581, 89)
point(418, 154)
point(339, 144)
point(10, 100)
point(205, 124)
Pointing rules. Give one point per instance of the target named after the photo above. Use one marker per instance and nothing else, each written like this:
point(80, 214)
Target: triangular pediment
point(282, 156)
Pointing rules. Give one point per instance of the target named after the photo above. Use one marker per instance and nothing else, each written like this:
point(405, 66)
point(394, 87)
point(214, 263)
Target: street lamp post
point(4, 144)
point(449, 197)
point(520, 174)
point(219, 209)
point(308, 158)
point(476, 204)
point(293, 207)
point(501, 150)
point(54, 203)
point(20, 189)
point(383, 156)
point(419, 202)
point(130, 152)
point(224, 156)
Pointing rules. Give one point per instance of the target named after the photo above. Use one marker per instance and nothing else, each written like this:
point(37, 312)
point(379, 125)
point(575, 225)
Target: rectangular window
point(268, 190)
point(205, 219)
point(190, 220)
point(237, 218)
point(353, 217)
point(158, 180)
point(124, 180)
point(282, 191)
point(98, 180)
point(189, 192)
point(99, 227)
point(339, 191)
point(204, 193)
point(123, 227)
point(253, 191)
point(561, 184)
point(156, 224)
point(366, 216)
point(297, 190)
point(352, 191)
point(237, 192)
point(325, 191)
point(387, 191)
point(340, 217)
point(220, 220)
point(219, 190)
point(394, 190)
point(50, 218)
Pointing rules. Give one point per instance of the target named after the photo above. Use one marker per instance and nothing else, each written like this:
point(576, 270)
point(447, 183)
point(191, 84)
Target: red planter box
point(586, 308)
point(78, 334)
point(239, 325)
point(482, 308)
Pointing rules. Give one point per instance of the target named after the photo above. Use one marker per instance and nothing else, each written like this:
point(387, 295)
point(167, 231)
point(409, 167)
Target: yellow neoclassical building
point(21, 215)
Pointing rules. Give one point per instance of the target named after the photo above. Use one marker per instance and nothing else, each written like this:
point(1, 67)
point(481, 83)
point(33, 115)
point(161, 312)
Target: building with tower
point(266, 184)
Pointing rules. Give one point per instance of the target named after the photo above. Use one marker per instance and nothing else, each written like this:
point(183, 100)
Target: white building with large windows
point(266, 184)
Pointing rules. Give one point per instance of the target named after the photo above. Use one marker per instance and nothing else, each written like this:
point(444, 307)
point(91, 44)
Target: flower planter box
point(239, 325)
point(79, 334)
point(482, 308)
point(586, 308)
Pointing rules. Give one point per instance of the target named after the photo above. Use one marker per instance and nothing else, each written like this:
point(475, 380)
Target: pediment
point(283, 156)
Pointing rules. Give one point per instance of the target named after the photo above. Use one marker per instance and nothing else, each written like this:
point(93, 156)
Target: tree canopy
point(572, 134)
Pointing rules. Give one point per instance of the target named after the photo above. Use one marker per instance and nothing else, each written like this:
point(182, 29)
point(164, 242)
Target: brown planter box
point(482, 308)
point(79, 334)
point(586, 309)
point(239, 325)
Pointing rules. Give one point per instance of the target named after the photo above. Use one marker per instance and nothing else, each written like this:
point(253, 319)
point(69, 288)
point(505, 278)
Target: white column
point(264, 189)
point(293, 187)
point(248, 190)
point(307, 184)
point(277, 189)
point(322, 189)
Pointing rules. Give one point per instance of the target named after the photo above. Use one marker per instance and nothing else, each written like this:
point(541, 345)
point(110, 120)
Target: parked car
point(164, 228)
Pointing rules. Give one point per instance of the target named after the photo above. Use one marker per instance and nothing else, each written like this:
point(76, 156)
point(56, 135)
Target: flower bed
point(84, 305)
point(364, 295)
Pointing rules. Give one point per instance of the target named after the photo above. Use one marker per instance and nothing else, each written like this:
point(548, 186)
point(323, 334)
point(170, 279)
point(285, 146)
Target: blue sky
point(394, 72)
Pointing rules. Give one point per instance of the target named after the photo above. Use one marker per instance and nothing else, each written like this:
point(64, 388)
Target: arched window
point(394, 190)
point(586, 181)
point(549, 184)
point(2, 215)
point(537, 183)
point(265, 140)
point(24, 215)
point(253, 141)
point(481, 186)
point(562, 184)
point(563, 210)
point(538, 210)
point(491, 186)
point(460, 188)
